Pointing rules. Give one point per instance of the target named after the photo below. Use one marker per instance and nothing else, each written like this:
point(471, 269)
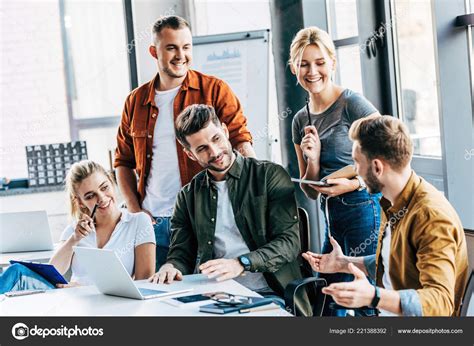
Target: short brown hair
point(193, 119)
point(172, 22)
point(383, 137)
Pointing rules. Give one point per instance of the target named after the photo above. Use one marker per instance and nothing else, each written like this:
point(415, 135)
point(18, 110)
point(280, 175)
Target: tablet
point(48, 271)
point(311, 182)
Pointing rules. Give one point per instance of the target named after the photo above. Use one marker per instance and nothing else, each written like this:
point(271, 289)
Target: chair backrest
point(467, 307)
point(304, 229)
point(313, 288)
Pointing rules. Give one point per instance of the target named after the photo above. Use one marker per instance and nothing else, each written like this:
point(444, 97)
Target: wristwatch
point(376, 299)
point(245, 261)
point(362, 185)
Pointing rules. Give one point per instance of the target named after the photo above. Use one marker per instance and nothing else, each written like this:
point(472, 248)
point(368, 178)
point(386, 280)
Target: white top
point(132, 230)
point(164, 182)
point(385, 253)
point(228, 242)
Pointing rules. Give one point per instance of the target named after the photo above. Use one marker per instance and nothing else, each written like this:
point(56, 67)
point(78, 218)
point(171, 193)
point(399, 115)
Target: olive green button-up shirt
point(265, 211)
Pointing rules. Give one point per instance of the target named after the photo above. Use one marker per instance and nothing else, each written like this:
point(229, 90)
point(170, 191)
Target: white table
point(88, 301)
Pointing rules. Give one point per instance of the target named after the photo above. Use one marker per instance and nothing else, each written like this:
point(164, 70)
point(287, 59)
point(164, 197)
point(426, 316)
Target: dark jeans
point(354, 221)
point(162, 229)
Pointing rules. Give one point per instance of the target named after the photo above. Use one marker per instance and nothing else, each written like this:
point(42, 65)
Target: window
point(417, 84)
point(343, 19)
point(343, 29)
point(33, 88)
point(349, 73)
point(97, 58)
point(97, 72)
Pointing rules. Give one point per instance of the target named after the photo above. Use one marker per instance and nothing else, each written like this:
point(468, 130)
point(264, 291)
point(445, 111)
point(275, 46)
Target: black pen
point(93, 212)
point(307, 110)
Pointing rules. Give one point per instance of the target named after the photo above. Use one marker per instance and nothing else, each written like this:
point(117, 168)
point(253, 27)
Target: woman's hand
point(310, 144)
point(84, 227)
point(339, 186)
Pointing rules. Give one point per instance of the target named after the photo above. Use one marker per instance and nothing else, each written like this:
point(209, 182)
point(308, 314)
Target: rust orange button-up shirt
point(135, 133)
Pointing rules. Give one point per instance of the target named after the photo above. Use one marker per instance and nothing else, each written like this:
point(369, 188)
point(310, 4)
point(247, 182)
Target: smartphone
point(321, 183)
point(22, 293)
point(178, 301)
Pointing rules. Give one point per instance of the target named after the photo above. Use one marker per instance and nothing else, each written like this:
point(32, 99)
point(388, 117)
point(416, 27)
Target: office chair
point(467, 308)
point(313, 285)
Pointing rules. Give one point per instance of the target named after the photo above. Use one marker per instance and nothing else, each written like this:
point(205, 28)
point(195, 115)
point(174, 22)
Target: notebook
point(219, 308)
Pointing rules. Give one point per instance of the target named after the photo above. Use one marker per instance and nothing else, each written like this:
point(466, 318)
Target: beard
point(373, 184)
point(226, 156)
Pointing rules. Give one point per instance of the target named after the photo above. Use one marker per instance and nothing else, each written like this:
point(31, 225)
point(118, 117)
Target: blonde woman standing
point(320, 136)
point(130, 235)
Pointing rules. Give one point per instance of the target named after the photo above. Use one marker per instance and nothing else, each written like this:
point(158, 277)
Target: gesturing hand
point(222, 269)
point(333, 262)
point(353, 294)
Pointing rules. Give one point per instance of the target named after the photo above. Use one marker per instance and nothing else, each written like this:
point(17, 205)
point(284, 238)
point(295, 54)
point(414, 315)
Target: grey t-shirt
point(333, 127)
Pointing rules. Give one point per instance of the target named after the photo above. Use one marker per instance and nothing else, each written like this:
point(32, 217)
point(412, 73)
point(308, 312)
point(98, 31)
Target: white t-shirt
point(228, 242)
point(164, 181)
point(387, 283)
point(132, 230)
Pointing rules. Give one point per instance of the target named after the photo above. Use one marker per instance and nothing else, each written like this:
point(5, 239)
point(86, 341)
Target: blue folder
point(47, 271)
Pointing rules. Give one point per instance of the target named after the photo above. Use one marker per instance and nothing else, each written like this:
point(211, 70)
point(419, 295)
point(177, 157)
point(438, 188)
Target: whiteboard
point(241, 60)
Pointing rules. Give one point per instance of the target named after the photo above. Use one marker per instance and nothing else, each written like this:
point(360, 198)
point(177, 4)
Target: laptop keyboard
point(147, 292)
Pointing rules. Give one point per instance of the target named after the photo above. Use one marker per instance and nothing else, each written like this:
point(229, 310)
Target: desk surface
point(88, 301)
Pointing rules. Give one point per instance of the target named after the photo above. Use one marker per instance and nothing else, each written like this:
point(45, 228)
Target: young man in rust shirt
point(146, 143)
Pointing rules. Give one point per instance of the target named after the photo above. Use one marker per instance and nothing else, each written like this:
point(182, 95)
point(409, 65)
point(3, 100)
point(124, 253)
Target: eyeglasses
point(227, 299)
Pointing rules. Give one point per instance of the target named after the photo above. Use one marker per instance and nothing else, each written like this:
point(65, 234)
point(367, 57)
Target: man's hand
point(333, 262)
point(353, 294)
point(166, 274)
point(339, 186)
point(222, 269)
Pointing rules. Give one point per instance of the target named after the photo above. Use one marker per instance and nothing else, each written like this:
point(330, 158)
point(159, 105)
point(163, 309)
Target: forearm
point(127, 183)
point(61, 259)
point(343, 264)
point(312, 173)
point(246, 149)
point(144, 261)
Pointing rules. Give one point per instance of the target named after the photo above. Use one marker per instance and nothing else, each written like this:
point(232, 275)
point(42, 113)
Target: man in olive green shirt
point(421, 266)
point(237, 219)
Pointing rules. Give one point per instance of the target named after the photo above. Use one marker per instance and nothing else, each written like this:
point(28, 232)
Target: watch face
point(245, 261)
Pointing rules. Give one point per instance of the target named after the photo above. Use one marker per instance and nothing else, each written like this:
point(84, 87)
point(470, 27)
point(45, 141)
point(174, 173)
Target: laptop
point(105, 269)
point(25, 231)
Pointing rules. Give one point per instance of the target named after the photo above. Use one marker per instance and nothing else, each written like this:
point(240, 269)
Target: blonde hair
point(306, 37)
point(75, 176)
